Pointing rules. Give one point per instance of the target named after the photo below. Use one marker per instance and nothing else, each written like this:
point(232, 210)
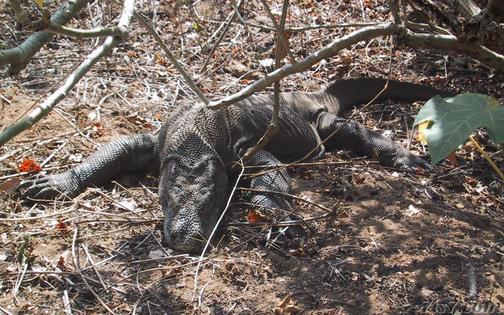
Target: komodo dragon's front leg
point(363, 141)
point(274, 181)
point(131, 153)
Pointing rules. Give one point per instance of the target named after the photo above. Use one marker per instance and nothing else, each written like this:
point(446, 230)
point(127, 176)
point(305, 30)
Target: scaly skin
point(197, 148)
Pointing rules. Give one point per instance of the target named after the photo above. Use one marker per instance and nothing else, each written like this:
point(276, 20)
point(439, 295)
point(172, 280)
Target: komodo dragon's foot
point(403, 159)
point(49, 186)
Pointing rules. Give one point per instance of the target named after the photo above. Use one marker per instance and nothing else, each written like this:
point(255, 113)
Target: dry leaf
point(61, 226)
point(412, 211)
point(358, 179)
point(286, 307)
point(63, 265)
point(159, 59)
point(29, 165)
point(132, 54)
point(236, 68)
point(40, 3)
point(421, 131)
point(256, 217)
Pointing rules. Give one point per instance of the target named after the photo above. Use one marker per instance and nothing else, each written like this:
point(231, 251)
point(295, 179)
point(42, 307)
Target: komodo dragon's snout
point(193, 193)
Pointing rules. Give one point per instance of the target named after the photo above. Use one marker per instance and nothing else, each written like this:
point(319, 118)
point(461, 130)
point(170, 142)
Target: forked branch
point(43, 109)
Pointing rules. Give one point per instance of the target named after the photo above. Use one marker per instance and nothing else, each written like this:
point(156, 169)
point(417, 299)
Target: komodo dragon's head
point(193, 189)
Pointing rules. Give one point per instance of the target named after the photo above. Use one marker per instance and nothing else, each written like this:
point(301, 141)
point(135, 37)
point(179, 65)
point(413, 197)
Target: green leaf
point(197, 27)
point(453, 120)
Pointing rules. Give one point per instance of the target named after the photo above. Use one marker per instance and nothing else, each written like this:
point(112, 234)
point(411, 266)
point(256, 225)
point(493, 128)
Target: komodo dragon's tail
point(352, 92)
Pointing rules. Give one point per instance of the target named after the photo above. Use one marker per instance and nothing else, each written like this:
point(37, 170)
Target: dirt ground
point(375, 240)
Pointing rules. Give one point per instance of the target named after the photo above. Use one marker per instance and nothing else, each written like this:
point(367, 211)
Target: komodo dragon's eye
point(176, 189)
point(174, 195)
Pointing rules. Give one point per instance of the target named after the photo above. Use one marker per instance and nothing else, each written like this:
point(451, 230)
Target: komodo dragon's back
point(197, 148)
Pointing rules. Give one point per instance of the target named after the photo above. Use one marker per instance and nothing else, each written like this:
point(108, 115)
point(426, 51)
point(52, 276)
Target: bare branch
point(273, 127)
point(19, 56)
point(281, 35)
point(224, 30)
point(451, 43)
point(445, 42)
point(79, 33)
point(423, 27)
point(394, 10)
point(312, 27)
point(172, 58)
point(325, 52)
point(47, 25)
point(43, 109)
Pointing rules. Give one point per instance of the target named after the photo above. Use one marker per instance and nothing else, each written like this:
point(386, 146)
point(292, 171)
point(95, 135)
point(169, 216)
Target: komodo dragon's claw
point(412, 162)
point(46, 186)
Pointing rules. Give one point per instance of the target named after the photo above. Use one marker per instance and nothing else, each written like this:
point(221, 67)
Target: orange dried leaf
point(132, 54)
point(420, 171)
point(98, 130)
point(61, 226)
point(62, 264)
point(256, 217)
point(286, 307)
point(29, 165)
point(159, 59)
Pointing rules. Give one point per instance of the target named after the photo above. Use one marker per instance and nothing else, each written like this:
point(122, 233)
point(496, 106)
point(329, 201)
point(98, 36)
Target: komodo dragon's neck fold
point(352, 92)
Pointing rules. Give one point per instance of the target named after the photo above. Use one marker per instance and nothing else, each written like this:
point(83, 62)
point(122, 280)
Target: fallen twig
point(75, 255)
point(172, 58)
point(201, 258)
point(66, 303)
point(19, 280)
point(286, 195)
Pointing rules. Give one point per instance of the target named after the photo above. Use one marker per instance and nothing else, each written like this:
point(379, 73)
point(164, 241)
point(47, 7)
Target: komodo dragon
point(197, 147)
